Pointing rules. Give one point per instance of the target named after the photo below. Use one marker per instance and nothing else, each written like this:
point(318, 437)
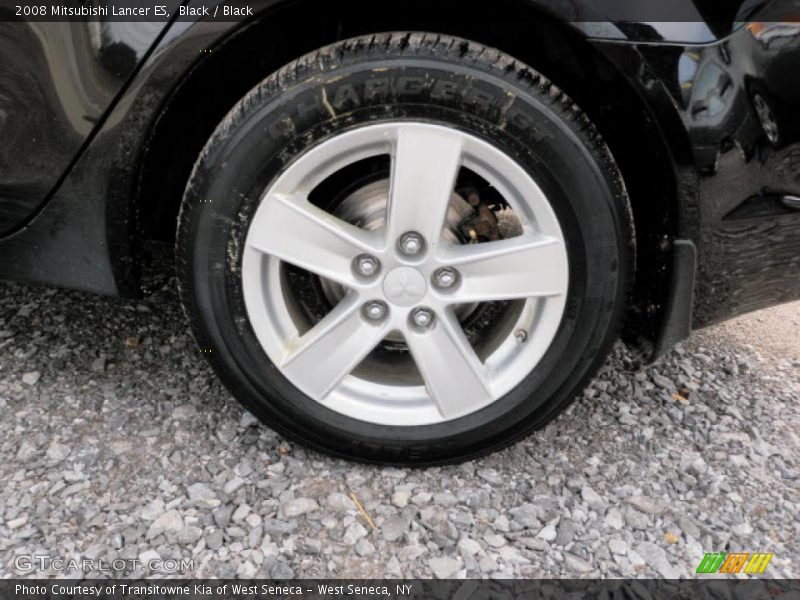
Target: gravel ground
point(118, 442)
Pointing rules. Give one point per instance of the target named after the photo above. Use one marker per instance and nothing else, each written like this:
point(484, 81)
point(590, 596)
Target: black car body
point(101, 121)
point(90, 167)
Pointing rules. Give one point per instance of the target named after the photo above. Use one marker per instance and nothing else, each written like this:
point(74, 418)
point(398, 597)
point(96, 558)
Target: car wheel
point(767, 119)
point(405, 248)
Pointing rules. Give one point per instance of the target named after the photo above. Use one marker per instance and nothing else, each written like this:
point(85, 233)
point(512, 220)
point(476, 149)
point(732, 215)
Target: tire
point(406, 81)
point(767, 115)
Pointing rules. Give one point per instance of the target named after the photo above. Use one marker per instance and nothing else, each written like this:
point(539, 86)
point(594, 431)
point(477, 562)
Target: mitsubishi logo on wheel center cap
point(404, 286)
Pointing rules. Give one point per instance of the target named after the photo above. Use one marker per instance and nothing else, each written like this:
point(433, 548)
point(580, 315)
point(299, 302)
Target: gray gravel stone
point(688, 527)
point(444, 567)
point(592, 498)
point(656, 558)
point(214, 539)
point(147, 556)
point(527, 516)
point(365, 548)
point(617, 546)
point(202, 496)
point(355, 532)
point(278, 528)
point(613, 519)
point(394, 528)
point(169, 522)
point(494, 540)
point(234, 485)
point(17, 523)
point(468, 546)
point(635, 519)
point(27, 451)
point(339, 502)
point(400, 498)
point(31, 378)
point(663, 382)
point(151, 457)
point(298, 506)
point(646, 505)
point(282, 571)
point(565, 532)
point(240, 513)
point(548, 533)
point(445, 499)
point(576, 564)
point(190, 534)
point(491, 476)
point(57, 452)
point(222, 515)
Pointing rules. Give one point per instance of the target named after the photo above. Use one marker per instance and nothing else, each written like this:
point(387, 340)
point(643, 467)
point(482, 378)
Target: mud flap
point(678, 317)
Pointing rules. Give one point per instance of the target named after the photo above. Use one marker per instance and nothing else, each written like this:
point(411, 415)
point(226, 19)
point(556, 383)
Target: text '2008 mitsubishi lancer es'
point(411, 237)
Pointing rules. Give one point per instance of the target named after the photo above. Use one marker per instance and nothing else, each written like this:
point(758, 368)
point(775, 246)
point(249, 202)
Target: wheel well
point(241, 61)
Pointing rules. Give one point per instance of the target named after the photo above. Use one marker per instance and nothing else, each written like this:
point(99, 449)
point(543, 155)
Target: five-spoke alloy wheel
point(404, 278)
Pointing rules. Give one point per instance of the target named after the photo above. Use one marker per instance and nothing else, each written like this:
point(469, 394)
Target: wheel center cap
point(404, 286)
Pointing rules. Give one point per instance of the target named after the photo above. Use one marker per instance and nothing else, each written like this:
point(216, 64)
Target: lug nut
point(375, 310)
point(445, 278)
point(422, 317)
point(367, 265)
point(410, 243)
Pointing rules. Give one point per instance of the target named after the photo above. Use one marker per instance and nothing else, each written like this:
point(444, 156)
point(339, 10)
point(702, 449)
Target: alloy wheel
point(393, 345)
